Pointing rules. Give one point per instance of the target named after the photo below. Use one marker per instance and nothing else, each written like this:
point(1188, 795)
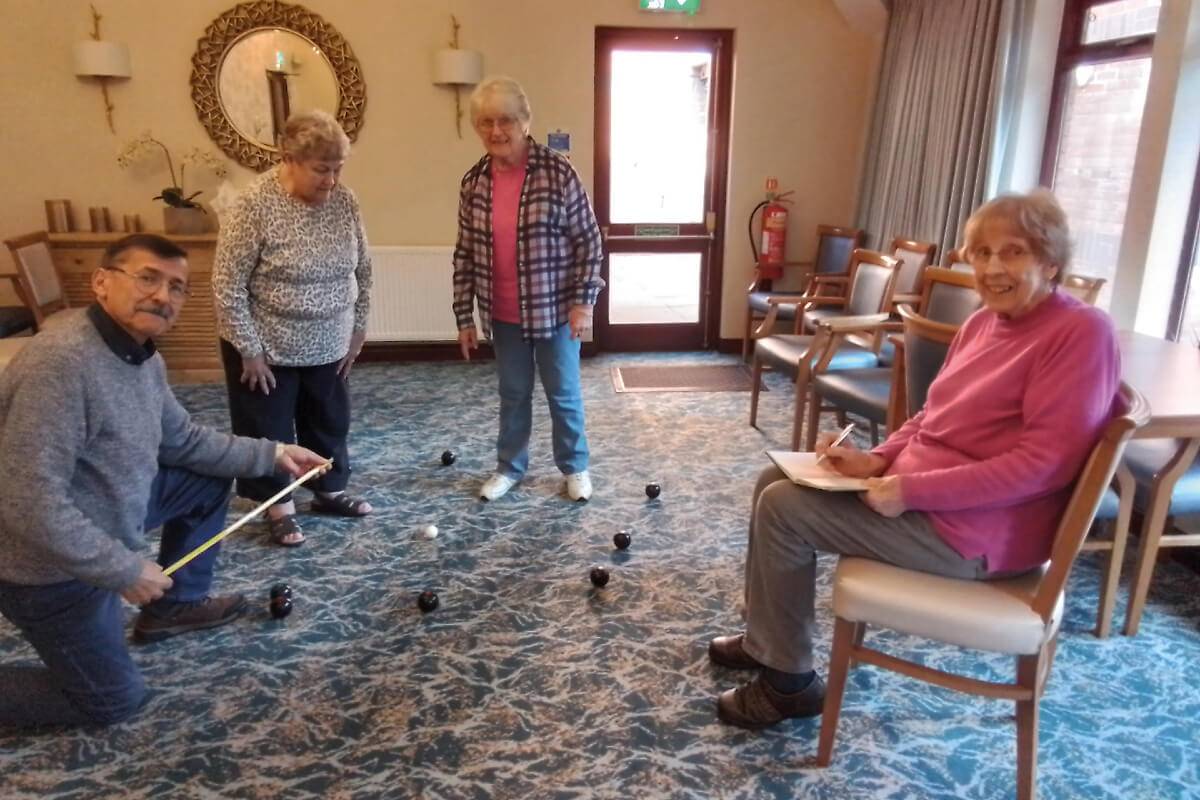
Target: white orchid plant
point(174, 195)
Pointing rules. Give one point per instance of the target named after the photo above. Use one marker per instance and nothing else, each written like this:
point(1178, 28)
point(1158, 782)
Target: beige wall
point(803, 86)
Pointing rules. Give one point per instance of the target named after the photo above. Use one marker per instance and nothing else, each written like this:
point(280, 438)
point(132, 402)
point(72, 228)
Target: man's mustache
point(166, 312)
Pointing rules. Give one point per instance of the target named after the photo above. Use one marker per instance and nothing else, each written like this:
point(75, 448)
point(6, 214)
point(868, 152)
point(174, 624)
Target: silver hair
point(1037, 218)
point(314, 135)
point(506, 89)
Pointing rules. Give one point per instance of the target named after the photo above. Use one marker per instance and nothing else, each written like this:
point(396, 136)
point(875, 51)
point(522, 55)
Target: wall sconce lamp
point(102, 61)
point(457, 68)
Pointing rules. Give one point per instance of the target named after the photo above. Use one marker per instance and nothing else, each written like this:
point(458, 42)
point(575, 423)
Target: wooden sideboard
point(191, 347)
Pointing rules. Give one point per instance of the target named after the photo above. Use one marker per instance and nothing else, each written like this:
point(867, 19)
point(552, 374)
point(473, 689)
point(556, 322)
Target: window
point(1102, 74)
point(1184, 322)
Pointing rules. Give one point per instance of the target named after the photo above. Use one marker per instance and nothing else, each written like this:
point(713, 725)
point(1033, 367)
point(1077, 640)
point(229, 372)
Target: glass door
point(662, 122)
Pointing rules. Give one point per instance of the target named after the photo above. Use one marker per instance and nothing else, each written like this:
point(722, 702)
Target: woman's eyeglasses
point(149, 281)
point(502, 123)
point(1009, 254)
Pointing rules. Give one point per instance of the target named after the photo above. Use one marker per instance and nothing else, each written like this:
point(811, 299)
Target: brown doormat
point(722, 378)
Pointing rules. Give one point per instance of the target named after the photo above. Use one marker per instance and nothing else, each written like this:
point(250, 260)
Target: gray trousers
point(789, 524)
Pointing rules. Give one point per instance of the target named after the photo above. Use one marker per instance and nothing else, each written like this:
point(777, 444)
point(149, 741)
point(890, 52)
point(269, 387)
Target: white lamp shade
point(457, 66)
point(102, 59)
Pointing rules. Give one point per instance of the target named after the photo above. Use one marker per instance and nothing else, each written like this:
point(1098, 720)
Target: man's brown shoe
point(756, 705)
point(727, 651)
point(171, 619)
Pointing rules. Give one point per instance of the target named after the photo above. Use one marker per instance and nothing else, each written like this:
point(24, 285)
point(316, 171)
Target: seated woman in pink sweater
point(971, 487)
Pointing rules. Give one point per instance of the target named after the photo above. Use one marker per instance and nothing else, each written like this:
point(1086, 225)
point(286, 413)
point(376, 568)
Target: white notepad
point(802, 468)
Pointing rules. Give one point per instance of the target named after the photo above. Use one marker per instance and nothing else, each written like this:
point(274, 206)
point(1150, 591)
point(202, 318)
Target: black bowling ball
point(448, 458)
point(427, 601)
point(622, 540)
point(599, 577)
point(653, 490)
point(281, 607)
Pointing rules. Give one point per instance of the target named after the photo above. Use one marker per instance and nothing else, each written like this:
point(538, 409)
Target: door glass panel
point(653, 288)
point(1101, 119)
point(659, 135)
point(1119, 19)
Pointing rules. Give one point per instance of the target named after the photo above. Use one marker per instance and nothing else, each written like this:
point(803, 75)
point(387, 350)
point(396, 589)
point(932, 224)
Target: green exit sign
point(682, 6)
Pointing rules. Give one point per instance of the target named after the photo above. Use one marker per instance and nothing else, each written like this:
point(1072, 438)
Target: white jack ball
point(429, 532)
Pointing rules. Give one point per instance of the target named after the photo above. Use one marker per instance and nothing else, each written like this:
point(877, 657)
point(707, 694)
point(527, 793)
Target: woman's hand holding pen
point(848, 460)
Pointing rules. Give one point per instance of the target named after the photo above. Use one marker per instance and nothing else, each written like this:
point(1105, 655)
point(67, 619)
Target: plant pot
point(185, 221)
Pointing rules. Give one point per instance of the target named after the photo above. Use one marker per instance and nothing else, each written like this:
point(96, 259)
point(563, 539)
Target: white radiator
point(410, 300)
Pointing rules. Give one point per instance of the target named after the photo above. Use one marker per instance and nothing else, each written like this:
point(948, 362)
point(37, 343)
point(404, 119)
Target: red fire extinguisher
point(774, 232)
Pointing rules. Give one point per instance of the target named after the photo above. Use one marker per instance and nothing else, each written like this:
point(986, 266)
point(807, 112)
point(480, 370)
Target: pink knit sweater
point(1006, 428)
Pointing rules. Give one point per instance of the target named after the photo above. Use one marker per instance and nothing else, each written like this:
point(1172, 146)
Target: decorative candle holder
point(59, 218)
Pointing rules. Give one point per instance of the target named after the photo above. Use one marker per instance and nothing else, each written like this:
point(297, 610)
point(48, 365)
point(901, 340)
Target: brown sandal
point(283, 527)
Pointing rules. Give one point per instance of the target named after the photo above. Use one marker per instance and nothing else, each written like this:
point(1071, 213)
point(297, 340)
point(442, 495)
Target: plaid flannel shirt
point(559, 250)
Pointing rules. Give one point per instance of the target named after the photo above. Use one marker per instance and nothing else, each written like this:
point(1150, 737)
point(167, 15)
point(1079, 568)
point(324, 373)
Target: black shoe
point(172, 619)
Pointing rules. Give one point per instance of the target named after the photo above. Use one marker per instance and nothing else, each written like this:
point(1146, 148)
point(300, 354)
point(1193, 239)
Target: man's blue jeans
point(78, 630)
point(557, 361)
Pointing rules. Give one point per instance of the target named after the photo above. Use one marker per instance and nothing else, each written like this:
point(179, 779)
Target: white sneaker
point(496, 487)
point(579, 486)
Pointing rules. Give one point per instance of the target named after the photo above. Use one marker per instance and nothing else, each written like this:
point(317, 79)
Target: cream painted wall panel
point(803, 85)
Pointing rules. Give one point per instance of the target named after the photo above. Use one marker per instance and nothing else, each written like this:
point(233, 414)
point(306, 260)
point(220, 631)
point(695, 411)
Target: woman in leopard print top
point(292, 282)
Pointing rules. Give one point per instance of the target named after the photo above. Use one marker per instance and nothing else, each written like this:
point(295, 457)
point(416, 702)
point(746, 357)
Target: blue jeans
point(557, 362)
point(78, 630)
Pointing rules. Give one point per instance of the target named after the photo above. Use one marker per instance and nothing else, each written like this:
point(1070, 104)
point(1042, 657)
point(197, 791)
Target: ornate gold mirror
point(258, 62)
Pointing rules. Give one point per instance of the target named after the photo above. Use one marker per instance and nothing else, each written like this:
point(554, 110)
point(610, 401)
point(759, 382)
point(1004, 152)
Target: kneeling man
point(94, 451)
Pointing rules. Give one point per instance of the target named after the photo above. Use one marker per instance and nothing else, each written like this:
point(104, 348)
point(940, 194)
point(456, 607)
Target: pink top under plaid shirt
point(559, 250)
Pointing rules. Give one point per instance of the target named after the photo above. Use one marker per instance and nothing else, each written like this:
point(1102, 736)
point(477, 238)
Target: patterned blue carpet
point(527, 682)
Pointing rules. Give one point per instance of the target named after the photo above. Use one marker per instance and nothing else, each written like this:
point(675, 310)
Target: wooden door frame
point(712, 267)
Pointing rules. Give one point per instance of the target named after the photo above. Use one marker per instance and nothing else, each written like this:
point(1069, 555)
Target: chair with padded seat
point(1017, 616)
point(1085, 288)
point(834, 246)
point(914, 257)
point(871, 282)
point(1147, 465)
point(37, 279)
point(880, 394)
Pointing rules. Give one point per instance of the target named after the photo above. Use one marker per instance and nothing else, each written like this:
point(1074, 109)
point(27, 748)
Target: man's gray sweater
point(82, 435)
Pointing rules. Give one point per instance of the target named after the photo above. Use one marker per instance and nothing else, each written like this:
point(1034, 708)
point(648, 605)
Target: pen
point(840, 438)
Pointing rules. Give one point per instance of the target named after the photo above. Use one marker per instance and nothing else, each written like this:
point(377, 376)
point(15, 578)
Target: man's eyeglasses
point(149, 281)
point(1009, 254)
point(502, 123)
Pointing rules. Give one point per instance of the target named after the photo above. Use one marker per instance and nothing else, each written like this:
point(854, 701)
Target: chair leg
point(756, 383)
point(1116, 556)
point(747, 332)
point(860, 632)
point(802, 386)
point(1029, 669)
point(839, 664)
point(1152, 531)
point(814, 422)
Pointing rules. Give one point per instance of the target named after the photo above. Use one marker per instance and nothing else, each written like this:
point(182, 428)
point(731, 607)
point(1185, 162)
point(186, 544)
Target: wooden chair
point(914, 257)
point(37, 279)
point(956, 261)
point(1085, 288)
point(872, 280)
point(879, 394)
point(834, 246)
point(1018, 616)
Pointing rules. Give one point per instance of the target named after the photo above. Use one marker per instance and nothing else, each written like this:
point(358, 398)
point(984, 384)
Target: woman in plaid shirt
point(528, 255)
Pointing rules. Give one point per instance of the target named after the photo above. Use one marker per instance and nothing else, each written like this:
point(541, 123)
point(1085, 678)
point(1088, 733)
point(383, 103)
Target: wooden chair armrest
point(865, 323)
point(899, 298)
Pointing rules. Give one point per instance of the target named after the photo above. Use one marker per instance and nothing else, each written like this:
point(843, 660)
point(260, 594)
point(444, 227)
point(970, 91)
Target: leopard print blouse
point(291, 280)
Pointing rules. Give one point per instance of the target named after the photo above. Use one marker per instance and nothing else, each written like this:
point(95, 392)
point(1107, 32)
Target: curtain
point(934, 121)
